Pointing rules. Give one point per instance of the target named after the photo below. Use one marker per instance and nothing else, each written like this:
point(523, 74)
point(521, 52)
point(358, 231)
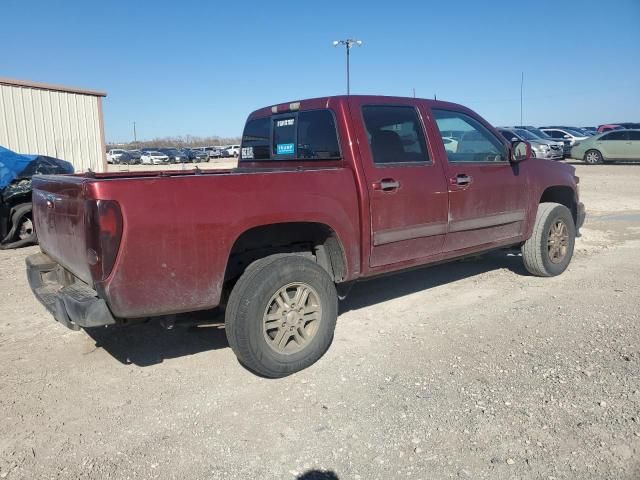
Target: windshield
point(575, 133)
point(539, 133)
point(527, 135)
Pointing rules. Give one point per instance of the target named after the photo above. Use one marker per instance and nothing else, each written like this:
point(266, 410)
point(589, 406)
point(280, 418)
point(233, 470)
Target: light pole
point(348, 43)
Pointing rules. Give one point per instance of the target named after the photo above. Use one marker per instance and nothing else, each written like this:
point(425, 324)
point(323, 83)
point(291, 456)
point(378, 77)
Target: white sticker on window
point(285, 123)
point(247, 152)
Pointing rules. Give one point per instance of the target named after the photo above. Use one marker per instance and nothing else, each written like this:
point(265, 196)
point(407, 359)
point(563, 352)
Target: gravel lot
point(468, 370)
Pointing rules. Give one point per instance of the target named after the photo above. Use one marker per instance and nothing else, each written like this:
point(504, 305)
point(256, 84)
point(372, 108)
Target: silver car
point(540, 148)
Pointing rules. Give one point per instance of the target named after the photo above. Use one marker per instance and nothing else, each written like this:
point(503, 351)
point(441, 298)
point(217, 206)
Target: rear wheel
point(593, 157)
point(281, 315)
point(550, 248)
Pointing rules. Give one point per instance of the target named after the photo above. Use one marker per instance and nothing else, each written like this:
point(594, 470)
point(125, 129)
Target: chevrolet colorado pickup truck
point(327, 191)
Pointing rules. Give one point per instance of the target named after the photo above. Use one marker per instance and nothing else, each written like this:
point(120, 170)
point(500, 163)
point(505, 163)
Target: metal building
point(53, 120)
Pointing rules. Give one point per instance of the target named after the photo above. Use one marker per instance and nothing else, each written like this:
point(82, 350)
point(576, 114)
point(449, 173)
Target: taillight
point(104, 232)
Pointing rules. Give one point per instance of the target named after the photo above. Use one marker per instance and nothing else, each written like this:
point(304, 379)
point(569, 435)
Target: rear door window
point(634, 135)
point(617, 135)
point(395, 134)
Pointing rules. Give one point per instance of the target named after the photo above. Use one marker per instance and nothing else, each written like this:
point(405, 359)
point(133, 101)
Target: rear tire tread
point(241, 299)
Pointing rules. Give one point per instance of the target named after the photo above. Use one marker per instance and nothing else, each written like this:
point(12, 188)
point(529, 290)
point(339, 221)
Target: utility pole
point(414, 92)
point(521, 88)
point(135, 137)
point(348, 43)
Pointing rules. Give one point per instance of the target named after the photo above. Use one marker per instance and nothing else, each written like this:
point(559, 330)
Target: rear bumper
point(71, 302)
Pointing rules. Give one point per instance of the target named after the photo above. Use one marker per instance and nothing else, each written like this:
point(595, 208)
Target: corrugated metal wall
point(58, 124)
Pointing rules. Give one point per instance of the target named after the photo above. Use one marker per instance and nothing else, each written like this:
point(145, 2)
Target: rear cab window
point(305, 135)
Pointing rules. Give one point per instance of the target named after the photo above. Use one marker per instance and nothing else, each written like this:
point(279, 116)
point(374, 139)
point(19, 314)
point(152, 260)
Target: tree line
point(187, 141)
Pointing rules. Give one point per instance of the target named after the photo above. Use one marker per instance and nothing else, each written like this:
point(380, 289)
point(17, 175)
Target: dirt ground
point(468, 370)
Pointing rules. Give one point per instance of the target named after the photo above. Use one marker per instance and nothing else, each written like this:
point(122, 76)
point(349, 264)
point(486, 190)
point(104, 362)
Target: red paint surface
point(179, 227)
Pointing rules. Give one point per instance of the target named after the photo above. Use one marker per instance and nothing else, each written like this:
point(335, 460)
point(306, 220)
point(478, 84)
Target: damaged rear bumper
point(71, 302)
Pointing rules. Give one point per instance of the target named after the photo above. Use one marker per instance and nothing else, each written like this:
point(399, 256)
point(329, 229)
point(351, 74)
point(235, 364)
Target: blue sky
point(196, 67)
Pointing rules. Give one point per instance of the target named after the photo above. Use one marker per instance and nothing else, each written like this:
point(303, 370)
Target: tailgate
point(59, 215)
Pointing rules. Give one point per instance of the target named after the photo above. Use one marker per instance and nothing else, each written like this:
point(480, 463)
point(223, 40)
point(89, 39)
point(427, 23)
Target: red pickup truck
point(327, 191)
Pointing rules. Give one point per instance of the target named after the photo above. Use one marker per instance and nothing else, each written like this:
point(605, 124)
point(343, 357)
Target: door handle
point(461, 180)
point(386, 185)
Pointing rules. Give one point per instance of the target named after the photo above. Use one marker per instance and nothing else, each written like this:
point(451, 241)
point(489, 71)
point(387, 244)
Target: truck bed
point(180, 226)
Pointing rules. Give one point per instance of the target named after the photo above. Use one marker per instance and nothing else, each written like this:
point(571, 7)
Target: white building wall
point(66, 125)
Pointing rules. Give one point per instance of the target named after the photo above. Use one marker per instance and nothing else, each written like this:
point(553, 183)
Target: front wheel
point(549, 249)
point(281, 315)
point(593, 157)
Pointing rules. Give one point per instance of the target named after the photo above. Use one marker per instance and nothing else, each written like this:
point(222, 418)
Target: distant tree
point(187, 141)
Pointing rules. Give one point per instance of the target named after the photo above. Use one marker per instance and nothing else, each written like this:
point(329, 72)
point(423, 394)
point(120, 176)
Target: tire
point(593, 157)
point(541, 258)
point(275, 348)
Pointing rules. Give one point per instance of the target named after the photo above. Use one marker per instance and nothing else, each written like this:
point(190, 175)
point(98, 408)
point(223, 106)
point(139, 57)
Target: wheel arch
point(316, 239)
point(564, 195)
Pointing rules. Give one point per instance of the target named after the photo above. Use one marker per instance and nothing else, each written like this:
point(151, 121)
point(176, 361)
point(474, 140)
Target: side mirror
point(514, 139)
point(520, 151)
point(568, 137)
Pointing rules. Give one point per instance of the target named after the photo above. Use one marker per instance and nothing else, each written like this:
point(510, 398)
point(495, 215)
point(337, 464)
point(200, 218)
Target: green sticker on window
point(285, 149)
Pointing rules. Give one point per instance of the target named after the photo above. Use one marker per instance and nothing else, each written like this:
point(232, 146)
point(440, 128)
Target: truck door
point(487, 194)
point(407, 189)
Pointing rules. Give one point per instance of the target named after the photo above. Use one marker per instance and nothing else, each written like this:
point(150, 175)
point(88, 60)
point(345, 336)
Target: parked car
point(609, 126)
point(584, 131)
point(561, 133)
point(290, 237)
point(16, 173)
point(213, 152)
point(609, 147)
point(548, 149)
point(566, 144)
point(538, 135)
point(127, 158)
point(153, 157)
point(628, 125)
point(175, 155)
point(198, 155)
point(136, 154)
point(113, 155)
point(231, 151)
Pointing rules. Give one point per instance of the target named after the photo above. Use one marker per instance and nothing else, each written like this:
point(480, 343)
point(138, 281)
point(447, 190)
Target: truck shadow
point(148, 343)
point(398, 285)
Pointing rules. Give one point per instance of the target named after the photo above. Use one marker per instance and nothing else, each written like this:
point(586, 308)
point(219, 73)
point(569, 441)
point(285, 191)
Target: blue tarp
point(12, 164)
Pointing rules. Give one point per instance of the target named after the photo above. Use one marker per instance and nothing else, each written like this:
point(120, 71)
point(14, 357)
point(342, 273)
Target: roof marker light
point(294, 106)
point(274, 109)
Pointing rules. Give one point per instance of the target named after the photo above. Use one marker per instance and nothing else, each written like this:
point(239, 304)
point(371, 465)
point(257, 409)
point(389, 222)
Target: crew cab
point(328, 191)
